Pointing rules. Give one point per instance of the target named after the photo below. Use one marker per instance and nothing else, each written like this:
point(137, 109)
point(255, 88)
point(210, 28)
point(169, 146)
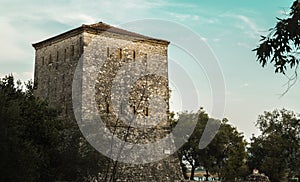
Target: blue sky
point(230, 28)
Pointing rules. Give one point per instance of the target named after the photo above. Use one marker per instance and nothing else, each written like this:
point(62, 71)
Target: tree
point(230, 159)
point(29, 133)
point(39, 145)
point(276, 152)
point(281, 46)
point(224, 156)
point(190, 151)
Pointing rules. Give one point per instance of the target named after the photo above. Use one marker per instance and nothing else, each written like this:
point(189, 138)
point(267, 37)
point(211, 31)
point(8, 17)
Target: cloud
point(248, 22)
point(25, 23)
point(203, 39)
point(9, 44)
point(244, 23)
point(183, 17)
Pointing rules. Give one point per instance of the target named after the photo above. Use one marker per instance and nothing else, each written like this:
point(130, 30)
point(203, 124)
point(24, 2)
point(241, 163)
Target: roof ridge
point(98, 28)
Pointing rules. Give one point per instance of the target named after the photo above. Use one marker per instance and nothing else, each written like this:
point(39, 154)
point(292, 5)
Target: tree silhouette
point(281, 47)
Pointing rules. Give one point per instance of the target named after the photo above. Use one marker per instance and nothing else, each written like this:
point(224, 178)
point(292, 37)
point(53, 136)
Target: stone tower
point(130, 90)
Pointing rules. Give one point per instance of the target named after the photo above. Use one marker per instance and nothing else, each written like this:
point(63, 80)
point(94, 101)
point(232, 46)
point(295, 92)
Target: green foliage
point(282, 46)
point(39, 145)
point(224, 156)
point(276, 152)
point(29, 131)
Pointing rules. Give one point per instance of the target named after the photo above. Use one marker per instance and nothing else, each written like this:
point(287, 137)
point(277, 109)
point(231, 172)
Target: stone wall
point(54, 69)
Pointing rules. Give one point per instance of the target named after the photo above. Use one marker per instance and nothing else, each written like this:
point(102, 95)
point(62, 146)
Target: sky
point(230, 29)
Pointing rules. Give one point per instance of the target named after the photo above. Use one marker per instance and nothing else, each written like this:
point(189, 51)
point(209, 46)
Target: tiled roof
point(98, 28)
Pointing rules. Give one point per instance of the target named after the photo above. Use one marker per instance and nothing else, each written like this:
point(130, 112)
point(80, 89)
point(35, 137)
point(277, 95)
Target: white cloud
point(9, 44)
point(203, 39)
point(249, 22)
point(246, 24)
point(184, 17)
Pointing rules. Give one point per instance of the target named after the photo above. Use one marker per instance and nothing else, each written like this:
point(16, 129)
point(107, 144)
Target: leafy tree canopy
point(276, 152)
point(281, 47)
point(224, 156)
point(37, 144)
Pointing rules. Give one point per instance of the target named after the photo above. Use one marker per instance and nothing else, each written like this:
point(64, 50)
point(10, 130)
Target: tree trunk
point(192, 173)
point(206, 175)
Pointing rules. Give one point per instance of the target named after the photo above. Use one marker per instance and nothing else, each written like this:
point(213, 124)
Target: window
point(81, 44)
point(146, 111)
point(107, 52)
point(48, 87)
point(134, 109)
point(50, 59)
point(57, 56)
point(72, 50)
point(63, 83)
point(133, 55)
point(66, 106)
point(120, 55)
point(65, 54)
point(107, 108)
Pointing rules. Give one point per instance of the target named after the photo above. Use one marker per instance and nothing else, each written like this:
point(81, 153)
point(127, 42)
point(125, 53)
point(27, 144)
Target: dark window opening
point(65, 54)
point(50, 59)
point(134, 110)
point(120, 55)
point(146, 111)
point(57, 56)
point(107, 107)
point(133, 55)
point(72, 50)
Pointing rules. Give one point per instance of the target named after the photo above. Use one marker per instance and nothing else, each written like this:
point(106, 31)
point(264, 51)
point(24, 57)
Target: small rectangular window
point(66, 109)
point(107, 108)
point(120, 54)
point(50, 58)
point(81, 44)
point(65, 54)
point(107, 52)
point(133, 55)
point(63, 83)
point(43, 60)
point(72, 50)
point(134, 109)
point(57, 56)
point(146, 111)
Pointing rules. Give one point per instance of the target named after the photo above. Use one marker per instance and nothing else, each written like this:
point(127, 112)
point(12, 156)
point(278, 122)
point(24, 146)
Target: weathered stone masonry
point(55, 63)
